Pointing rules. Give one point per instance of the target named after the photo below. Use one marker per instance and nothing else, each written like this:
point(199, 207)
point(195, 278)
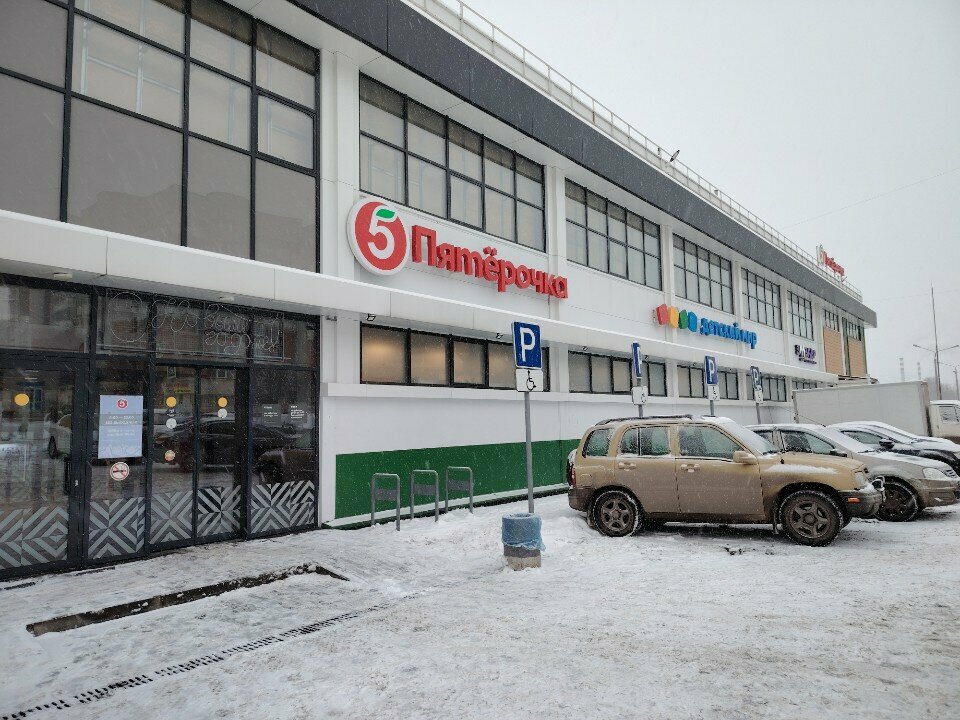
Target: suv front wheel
point(616, 513)
point(811, 517)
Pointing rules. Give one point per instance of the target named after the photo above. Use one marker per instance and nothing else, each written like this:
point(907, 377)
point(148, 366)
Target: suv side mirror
point(886, 444)
point(744, 458)
point(838, 453)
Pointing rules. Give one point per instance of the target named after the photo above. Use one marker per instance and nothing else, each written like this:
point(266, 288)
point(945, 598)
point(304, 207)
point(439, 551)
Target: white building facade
point(204, 333)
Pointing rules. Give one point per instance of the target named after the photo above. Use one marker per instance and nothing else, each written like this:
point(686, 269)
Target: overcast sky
point(804, 112)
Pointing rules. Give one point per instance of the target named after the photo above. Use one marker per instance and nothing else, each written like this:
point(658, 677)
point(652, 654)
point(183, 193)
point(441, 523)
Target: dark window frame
point(450, 173)
point(629, 215)
point(183, 54)
point(448, 349)
point(831, 319)
point(682, 247)
point(612, 358)
point(770, 314)
point(801, 316)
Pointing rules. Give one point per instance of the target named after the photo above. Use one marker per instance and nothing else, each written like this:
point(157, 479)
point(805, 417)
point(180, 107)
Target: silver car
point(911, 484)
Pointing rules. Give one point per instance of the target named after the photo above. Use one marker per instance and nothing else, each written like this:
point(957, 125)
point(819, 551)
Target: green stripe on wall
point(496, 468)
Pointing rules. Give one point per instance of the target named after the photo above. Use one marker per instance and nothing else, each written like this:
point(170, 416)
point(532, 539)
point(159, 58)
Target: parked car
point(939, 442)
point(910, 484)
point(885, 437)
point(631, 474)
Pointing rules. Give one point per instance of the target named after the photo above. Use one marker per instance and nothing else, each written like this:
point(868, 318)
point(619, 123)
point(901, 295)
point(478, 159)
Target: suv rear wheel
point(811, 517)
point(616, 513)
point(900, 503)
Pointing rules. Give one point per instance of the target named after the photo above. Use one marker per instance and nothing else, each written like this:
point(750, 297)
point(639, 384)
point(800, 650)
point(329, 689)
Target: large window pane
point(285, 217)
point(501, 365)
point(598, 251)
point(618, 259)
point(33, 39)
point(579, 367)
point(622, 379)
point(530, 226)
point(464, 201)
point(656, 375)
point(600, 379)
point(576, 243)
point(123, 323)
point(41, 319)
point(219, 108)
point(381, 169)
point(634, 265)
point(125, 174)
point(383, 355)
point(575, 203)
point(159, 20)
point(218, 200)
point(284, 132)
point(498, 167)
point(119, 70)
point(428, 360)
point(286, 67)
point(469, 359)
point(31, 132)
point(220, 36)
point(381, 112)
point(464, 151)
point(529, 181)
point(425, 133)
point(499, 212)
point(427, 187)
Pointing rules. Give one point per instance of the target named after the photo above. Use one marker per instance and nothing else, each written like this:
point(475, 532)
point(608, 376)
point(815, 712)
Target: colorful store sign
point(805, 354)
point(688, 320)
point(829, 262)
point(379, 240)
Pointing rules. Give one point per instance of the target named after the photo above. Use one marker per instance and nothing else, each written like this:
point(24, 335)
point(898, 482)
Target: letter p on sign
point(526, 345)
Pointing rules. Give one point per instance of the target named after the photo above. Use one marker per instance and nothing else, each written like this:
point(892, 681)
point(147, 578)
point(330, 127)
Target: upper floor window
point(801, 316)
point(761, 299)
point(702, 276)
point(417, 157)
point(831, 320)
point(853, 329)
point(609, 238)
point(202, 138)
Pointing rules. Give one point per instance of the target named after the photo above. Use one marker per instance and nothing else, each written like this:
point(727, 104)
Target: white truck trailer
point(904, 405)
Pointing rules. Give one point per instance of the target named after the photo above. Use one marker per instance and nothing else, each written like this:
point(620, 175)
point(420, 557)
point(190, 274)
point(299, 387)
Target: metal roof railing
point(482, 34)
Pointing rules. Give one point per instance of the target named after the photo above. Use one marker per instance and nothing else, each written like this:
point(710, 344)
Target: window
point(761, 299)
point(31, 133)
point(774, 388)
point(831, 320)
point(404, 357)
point(804, 442)
point(42, 319)
point(598, 443)
point(603, 374)
point(853, 330)
point(706, 441)
point(804, 384)
point(948, 413)
point(415, 156)
point(867, 438)
point(702, 276)
point(609, 238)
point(134, 68)
point(728, 385)
point(655, 374)
point(630, 442)
point(646, 441)
point(33, 38)
point(766, 435)
point(801, 316)
point(690, 381)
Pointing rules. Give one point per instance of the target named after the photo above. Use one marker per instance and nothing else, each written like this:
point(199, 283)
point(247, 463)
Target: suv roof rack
point(687, 416)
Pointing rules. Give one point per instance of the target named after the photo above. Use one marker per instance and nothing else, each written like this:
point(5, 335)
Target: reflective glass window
point(285, 217)
point(218, 199)
point(33, 39)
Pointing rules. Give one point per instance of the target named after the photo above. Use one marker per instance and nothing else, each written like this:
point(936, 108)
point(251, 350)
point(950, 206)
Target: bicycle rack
point(457, 485)
point(384, 493)
point(431, 488)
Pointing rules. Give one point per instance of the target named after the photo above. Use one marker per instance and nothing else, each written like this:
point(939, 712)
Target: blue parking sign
point(710, 370)
point(755, 375)
point(526, 345)
point(637, 361)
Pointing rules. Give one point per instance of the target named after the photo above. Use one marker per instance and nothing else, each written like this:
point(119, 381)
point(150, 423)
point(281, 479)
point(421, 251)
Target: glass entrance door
point(198, 454)
point(41, 432)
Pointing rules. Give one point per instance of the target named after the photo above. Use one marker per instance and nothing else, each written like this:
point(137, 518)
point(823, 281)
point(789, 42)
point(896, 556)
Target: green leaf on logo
point(386, 213)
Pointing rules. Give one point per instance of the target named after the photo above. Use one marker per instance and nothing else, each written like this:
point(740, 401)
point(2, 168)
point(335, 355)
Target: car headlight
point(934, 474)
point(860, 479)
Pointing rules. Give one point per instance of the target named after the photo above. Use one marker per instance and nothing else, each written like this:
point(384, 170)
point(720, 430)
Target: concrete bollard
point(522, 543)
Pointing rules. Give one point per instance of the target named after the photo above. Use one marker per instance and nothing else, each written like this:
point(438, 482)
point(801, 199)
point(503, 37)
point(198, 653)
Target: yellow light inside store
point(21, 399)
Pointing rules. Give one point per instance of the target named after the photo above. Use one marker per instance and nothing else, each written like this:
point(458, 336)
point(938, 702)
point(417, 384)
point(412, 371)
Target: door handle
point(624, 465)
point(690, 468)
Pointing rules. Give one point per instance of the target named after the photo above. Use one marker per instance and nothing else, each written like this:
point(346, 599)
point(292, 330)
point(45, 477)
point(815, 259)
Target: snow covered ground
point(687, 622)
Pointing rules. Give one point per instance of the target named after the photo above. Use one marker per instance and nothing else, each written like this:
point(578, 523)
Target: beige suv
point(630, 474)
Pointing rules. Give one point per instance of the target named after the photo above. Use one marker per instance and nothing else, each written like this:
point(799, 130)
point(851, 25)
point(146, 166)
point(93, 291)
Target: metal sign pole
point(759, 421)
point(526, 421)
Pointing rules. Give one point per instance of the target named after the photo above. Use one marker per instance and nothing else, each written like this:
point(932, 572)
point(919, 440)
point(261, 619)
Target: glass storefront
point(133, 423)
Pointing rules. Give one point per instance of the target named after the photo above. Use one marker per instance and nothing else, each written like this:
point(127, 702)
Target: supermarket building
point(252, 253)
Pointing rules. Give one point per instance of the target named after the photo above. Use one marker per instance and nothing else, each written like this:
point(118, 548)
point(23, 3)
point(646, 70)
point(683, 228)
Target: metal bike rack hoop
point(457, 485)
point(384, 493)
point(431, 488)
